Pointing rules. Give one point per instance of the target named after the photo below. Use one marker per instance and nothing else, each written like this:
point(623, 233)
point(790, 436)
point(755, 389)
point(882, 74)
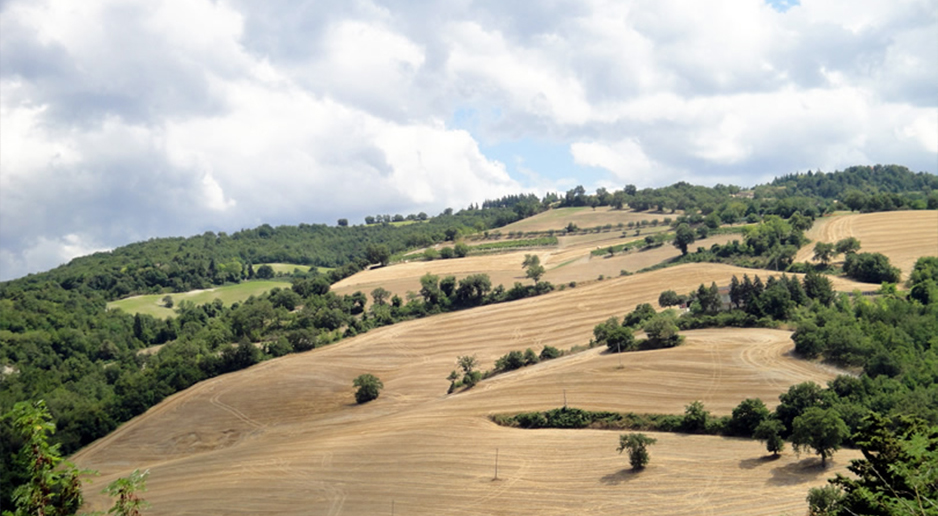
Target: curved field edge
point(285, 436)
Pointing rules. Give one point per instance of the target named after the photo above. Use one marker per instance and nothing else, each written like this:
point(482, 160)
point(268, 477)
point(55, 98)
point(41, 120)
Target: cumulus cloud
point(120, 122)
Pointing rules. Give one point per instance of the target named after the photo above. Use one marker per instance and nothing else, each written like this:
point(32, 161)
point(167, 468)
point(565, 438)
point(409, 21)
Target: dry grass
point(285, 437)
point(584, 218)
point(903, 236)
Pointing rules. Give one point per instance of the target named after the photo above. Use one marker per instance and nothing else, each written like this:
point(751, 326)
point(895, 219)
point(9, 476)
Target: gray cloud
point(127, 121)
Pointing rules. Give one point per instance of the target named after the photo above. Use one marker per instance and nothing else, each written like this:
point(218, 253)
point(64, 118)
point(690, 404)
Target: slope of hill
point(903, 236)
point(285, 437)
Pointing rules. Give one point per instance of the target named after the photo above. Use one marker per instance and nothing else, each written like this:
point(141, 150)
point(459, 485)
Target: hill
point(59, 342)
point(284, 436)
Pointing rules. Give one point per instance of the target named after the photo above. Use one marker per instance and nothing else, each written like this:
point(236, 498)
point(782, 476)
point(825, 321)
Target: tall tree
point(820, 429)
point(683, 237)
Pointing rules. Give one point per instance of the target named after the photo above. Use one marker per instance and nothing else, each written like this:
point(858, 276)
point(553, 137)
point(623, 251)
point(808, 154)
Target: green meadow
point(153, 304)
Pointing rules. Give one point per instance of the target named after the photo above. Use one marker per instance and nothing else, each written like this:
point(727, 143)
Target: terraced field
point(285, 437)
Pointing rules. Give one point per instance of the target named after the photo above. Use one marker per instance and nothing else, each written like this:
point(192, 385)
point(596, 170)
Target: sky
point(122, 121)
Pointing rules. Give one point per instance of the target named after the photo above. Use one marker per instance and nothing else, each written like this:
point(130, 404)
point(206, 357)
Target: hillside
point(238, 379)
point(283, 437)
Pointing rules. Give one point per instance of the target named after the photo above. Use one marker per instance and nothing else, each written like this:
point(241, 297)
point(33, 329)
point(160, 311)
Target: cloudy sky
point(126, 120)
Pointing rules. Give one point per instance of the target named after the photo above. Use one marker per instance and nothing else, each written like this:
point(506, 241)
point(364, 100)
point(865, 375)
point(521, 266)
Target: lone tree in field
point(822, 430)
point(683, 237)
point(467, 364)
point(369, 387)
point(168, 301)
point(637, 445)
point(534, 268)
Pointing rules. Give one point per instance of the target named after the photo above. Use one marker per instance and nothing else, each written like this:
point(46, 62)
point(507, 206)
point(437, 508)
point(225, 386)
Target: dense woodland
point(60, 344)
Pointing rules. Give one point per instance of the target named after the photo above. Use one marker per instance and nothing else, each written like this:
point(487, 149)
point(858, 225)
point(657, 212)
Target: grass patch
point(152, 304)
point(288, 268)
point(529, 242)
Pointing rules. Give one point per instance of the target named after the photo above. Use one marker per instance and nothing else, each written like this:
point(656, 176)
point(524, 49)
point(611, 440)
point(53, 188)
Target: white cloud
point(124, 121)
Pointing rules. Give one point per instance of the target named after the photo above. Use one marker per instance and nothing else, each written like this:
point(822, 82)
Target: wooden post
point(496, 464)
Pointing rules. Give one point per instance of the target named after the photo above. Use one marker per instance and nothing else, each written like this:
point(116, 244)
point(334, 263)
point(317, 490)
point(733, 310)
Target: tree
point(818, 287)
point(265, 272)
point(369, 386)
point(53, 485)
point(468, 363)
point(683, 237)
point(747, 416)
point(380, 296)
point(797, 400)
point(447, 252)
point(769, 431)
point(534, 268)
point(823, 252)
point(871, 268)
point(821, 430)
point(662, 331)
point(378, 254)
point(824, 501)
point(168, 301)
point(897, 473)
point(637, 445)
point(461, 249)
point(695, 418)
point(669, 298)
point(343, 222)
point(847, 246)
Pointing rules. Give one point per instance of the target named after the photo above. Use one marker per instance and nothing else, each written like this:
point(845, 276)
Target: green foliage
point(125, 490)
point(637, 445)
point(824, 501)
point(823, 252)
point(897, 474)
point(636, 318)
point(369, 387)
point(549, 353)
point(747, 416)
point(264, 272)
point(683, 237)
point(870, 268)
point(662, 331)
point(695, 418)
point(847, 245)
point(821, 430)
point(615, 336)
point(670, 298)
point(51, 485)
point(770, 431)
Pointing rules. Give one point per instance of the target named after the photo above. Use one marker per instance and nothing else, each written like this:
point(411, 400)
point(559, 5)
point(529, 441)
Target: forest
point(59, 343)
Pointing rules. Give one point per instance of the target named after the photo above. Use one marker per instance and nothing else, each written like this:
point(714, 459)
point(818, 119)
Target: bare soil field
point(584, 218)
point(285, 437)
point(903, 236)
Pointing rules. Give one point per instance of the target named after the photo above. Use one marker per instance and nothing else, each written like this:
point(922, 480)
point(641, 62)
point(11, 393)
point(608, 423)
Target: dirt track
point(903, 236)
point(284, 437)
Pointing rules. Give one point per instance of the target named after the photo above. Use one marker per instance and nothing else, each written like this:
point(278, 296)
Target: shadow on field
point(623, 475)
point(759, 461)
point(807, 470)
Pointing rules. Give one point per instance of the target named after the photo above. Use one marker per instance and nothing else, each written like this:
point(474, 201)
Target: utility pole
point(496, 464)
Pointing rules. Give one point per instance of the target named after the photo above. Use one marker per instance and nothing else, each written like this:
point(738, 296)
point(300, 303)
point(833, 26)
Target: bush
point(369, 386)
point(870, 268)
point(550, 352)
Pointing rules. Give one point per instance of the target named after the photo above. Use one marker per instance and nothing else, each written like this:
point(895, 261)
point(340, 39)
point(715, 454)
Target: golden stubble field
point(903, 236)
point(569, 261)
point(285, 437)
